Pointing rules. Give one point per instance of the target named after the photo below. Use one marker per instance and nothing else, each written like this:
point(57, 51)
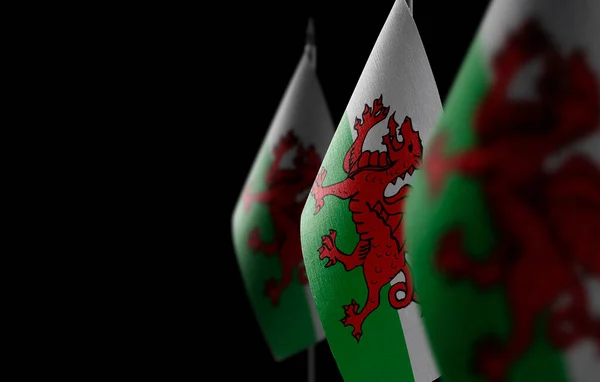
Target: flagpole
point(310, 46)
point(311, 370)
point(311, 51)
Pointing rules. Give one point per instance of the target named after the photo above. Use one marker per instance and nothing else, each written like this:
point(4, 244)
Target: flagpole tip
point(310, 32)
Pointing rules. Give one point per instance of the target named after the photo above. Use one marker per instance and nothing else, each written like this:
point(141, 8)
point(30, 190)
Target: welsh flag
point(266, 219)
point(504, 218)
point(352, 224)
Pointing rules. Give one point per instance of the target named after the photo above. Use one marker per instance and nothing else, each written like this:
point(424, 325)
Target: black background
point(215, 77)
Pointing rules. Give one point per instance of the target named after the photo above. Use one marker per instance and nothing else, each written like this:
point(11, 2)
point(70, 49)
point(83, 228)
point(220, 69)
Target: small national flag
point(266, 219)
point(352, 225)
point(504, 225)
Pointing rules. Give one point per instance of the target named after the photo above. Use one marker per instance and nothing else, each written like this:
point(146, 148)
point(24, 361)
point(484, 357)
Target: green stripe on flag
point(288, 327)
point(381, 354)
point(456, 315)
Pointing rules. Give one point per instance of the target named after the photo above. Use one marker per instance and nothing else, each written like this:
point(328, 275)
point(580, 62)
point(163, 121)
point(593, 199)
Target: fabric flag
point(351, 226)
point(504, 224)
point(266, 219)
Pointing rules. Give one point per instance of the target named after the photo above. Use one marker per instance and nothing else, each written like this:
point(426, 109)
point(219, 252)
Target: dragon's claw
point(352, 308)
point(272, 291)
point(353, 318)
point(328, 250)
point(254, 241)
point(317, 190)
point(247, 198)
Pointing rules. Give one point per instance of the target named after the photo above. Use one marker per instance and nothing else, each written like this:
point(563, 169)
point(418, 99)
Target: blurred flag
point(351, 227)
point(266, 219)
point(505, 223)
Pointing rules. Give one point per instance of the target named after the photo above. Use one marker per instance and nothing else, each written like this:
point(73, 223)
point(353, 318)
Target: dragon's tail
point(405, 286)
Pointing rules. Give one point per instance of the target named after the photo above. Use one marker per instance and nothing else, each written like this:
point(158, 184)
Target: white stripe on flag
point(582, 359)
point(421, 358)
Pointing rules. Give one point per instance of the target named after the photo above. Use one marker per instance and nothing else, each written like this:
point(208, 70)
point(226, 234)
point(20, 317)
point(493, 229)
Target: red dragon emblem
point(378, 219)
point(547, 218)
point(286, 193)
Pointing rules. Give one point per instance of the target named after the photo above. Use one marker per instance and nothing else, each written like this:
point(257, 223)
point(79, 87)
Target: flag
point(351, 226)
point(266, 218)
point(504, 224)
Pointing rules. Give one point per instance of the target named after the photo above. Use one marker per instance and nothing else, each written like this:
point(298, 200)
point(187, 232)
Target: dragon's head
point(404, 146)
